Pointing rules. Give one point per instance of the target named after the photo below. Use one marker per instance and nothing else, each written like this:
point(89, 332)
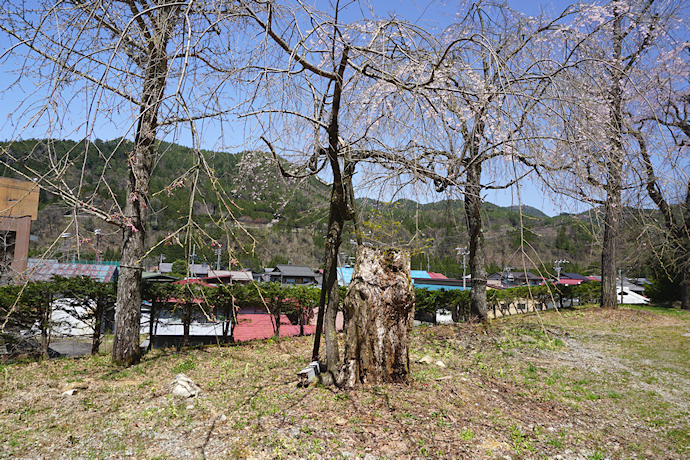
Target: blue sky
point(435, 14)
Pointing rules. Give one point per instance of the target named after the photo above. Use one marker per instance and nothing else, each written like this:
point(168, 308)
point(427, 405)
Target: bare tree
point(481, 111)
point(316, 106)
point(128, 62)
point(608, 44)
point(663, 138)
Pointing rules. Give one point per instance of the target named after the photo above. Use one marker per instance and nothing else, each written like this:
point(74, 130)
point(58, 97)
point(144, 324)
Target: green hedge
point(458, 301)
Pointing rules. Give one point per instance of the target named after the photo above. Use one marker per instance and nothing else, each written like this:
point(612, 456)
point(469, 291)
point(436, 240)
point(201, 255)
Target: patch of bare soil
point(584, 384)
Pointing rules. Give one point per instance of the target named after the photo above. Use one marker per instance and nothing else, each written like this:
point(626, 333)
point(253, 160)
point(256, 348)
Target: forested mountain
point(268, 219)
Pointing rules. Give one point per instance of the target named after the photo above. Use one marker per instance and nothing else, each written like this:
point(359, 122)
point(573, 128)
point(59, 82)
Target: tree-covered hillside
point(268, 219)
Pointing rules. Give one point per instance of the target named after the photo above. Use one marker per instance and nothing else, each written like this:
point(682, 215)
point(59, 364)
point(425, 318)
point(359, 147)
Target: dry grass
point(598, 384)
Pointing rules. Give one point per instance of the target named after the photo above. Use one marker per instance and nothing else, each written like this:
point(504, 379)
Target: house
point(571, 279)
point(494, 279)
point(510, 279)
point(165, 267)
point(18, 207)
point(527, 279)
point(630, 286)
point(154, 277)
point(228, 277)
point(292, 274)
point(198, 270)
point(628, 296)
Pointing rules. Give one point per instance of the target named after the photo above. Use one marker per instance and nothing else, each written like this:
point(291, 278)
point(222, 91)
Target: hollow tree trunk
point(379, 310)
point(473, 209)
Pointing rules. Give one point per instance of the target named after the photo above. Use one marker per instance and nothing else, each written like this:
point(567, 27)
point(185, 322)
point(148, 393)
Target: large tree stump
point(379, 310)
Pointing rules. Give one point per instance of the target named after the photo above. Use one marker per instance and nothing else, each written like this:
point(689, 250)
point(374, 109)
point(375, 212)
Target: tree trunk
point(97, 324)
point(277, 311)
point(47, 300)
point(338, 213)
point(379, 310)
point(126, 340)
point(609, 287)
point(685, 282)
point(127, 319)
point(152, 316)
point(330, 331)
point(228, 323)
point(612, 206)
point(301, 319)
point(186, 322)
point(473, 208)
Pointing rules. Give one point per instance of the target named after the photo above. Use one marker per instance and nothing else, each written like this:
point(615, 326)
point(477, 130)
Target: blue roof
point(438, 287)
point(345, 276)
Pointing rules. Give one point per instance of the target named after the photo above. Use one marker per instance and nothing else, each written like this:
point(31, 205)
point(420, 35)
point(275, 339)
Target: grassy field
point(577, 384)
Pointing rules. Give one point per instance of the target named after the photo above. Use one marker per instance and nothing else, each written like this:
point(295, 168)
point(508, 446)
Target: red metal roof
point(568, 281)
point(193, 281)
point(437, 275)
point(257, 326)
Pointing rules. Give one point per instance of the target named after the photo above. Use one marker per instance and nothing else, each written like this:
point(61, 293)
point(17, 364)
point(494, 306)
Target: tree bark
point(379, 310)
point(97, 324)
point(45, 324)
point(152, 316)
point(339, 212)
point(473, 208)
point(126, 341)
point(277, 311)
point(614, 173)
point(186, 323)
point(685, 279)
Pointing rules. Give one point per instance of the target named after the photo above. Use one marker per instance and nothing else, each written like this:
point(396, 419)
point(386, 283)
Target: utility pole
point(192, 257)
point(218, 251)
point(65, 246)
point(98, 245)
point(506, 271)
point(464, 252)
point(558, 267)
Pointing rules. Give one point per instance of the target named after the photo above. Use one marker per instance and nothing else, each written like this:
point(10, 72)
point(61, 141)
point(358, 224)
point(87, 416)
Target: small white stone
point(183, 387)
